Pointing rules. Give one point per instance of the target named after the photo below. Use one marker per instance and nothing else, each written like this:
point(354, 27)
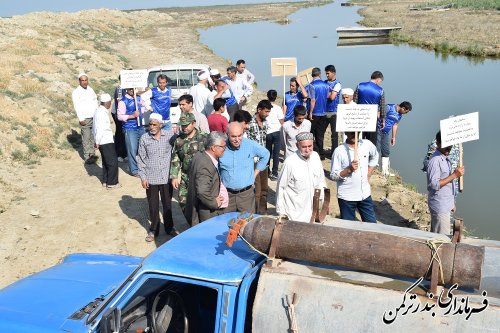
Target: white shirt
point(273, 120)
point(296, 184)
point(201, 99)
point(84, 102)
point(247, 76)
point(240, 88)
point(201, 122)
point(354, 187)
point(288, 133)
point(103, 133)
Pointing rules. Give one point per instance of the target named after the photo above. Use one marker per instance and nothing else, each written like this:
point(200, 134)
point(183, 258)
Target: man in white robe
point(301, 174)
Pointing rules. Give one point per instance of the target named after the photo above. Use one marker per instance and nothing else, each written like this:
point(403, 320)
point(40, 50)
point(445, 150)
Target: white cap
point(105, 98)
point(347, 91)
point(81, 74)
point(203, 75)
point(214, 71)
point(155, 116)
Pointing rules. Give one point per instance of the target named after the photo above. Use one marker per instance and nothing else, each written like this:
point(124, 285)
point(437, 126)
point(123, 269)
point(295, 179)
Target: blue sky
point(25, 6)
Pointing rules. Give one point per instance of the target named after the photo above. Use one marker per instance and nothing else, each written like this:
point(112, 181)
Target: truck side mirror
point(111, 321)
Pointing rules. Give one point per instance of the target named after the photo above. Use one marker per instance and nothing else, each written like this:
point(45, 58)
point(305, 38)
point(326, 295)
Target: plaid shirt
point(154, 157)
point(256, 133)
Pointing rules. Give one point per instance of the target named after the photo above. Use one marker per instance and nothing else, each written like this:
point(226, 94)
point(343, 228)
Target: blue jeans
point(384, 143)
point(365, 208)
point(132, 137)
point(273, 145)
point(167, 126)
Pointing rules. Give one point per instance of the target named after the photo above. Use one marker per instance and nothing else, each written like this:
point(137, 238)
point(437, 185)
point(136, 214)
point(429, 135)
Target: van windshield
point(177, 78)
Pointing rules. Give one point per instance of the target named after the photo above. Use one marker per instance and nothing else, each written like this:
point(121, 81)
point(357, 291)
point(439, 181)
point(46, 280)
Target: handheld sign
point(135, 78)
point(283, 66)
point(305, 76)
point(357, 117)
point(457, 130)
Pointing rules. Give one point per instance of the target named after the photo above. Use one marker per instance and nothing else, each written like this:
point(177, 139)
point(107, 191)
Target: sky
point(26, 6)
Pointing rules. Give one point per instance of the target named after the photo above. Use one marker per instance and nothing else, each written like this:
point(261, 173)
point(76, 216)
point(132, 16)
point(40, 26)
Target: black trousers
point(332, 121)
point(121, 149)
point(273, 145)
point(109, 164)
point(231, 110)
point(154, 192)
point(319, 125)
point(372, 136)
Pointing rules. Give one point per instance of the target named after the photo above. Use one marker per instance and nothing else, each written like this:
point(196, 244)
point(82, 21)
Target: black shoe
point(91, 160)
point(322, 158)
point(273, 177)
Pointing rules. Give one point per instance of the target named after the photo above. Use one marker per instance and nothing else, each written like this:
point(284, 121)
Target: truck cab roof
point(197, 253)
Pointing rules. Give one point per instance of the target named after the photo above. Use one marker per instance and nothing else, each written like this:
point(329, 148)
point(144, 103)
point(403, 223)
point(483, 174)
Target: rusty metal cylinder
point(368, 251)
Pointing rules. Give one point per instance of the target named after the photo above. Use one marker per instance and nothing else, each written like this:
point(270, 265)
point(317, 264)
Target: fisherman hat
point(347, 91)
point(155, 117)
point(203, 75)
point(105, 98)
point(303, 136)
point(186, 118)
point(214, 72)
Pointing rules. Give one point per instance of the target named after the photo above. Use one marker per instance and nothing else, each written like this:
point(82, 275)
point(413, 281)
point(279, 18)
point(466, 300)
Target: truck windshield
point(177, 78)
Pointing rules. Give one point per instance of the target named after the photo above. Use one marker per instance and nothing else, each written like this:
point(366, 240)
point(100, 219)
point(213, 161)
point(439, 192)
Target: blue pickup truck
point(196, 283)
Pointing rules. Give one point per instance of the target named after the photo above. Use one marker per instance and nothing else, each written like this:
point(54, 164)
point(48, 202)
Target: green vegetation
point(473, 4)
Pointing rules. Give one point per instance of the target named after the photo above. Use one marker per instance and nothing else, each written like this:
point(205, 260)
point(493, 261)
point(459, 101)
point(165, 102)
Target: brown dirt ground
point(460, 31)
point(58, 206)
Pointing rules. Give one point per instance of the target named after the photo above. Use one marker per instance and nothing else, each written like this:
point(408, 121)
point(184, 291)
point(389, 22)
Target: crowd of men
point(219, 157)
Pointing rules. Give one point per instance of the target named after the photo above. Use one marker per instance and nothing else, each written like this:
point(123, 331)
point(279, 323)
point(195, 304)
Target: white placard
point(135, 78)
point(357, 117)
point(459, 129)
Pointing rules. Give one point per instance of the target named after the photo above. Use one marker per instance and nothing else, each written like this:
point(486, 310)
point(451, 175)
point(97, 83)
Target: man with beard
point(441, 197)
point(301, 174)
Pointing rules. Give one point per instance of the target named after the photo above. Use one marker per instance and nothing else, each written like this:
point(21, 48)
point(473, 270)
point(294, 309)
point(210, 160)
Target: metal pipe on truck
point(368, 251)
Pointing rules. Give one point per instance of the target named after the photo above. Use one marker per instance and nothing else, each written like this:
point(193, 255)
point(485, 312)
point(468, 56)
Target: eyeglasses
point(223, 147)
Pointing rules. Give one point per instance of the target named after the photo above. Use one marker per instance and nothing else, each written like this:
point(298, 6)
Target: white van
point(181, 77)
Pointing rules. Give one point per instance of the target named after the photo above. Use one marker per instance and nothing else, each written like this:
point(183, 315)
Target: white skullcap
point(155, 116)
point(105, 98)
point(203, 75)
point(214, 71)
point(347, 91)
point(81, 74)
point(303, 136)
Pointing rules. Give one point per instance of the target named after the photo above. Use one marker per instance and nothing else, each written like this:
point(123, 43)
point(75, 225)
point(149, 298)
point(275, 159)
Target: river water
point(436, 85)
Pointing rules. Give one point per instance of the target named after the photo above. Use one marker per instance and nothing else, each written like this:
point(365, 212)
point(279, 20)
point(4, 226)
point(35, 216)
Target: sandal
point(150, 237)
point(173, 233)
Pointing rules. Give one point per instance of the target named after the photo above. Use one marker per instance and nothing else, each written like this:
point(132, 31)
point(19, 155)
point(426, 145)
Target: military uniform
point(184, 150)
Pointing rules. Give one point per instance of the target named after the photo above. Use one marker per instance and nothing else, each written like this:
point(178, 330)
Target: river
point(438, 86)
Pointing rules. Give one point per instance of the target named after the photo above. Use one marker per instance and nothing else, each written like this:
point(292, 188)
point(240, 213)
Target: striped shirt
point(154, 157)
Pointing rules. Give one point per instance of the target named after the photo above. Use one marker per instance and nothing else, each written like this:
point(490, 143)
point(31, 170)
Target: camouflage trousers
point(183, 192)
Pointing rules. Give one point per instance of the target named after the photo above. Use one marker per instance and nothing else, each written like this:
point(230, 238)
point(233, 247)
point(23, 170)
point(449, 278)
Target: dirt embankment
point(50, 203)
point(456, 31)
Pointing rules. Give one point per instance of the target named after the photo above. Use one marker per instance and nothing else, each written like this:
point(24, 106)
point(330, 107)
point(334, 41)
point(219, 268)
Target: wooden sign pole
point(284, 77)
point(355, 146)
point(136, 108)
point(460, 164)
